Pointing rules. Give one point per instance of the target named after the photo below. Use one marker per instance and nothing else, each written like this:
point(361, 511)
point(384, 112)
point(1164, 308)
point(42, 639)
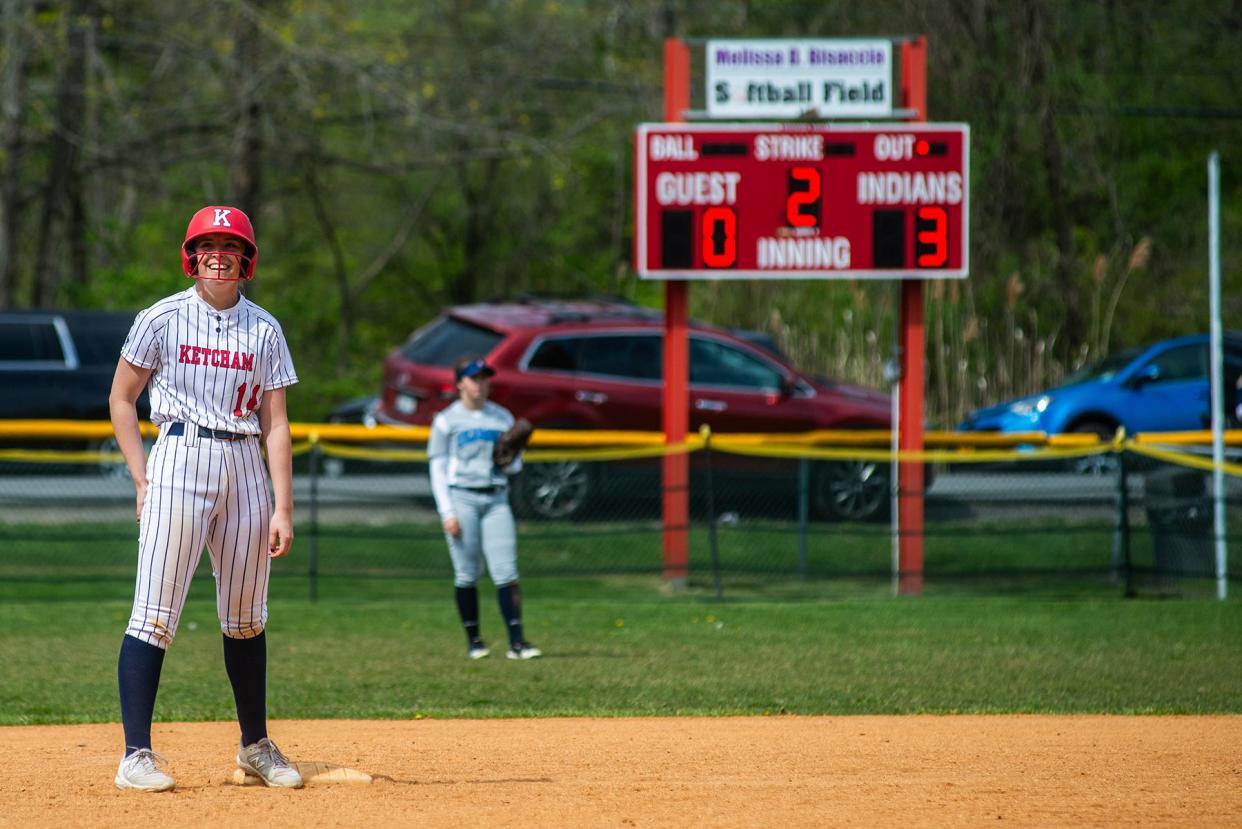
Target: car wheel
point(555, 491)
point(1098, 465)
point(852, 491)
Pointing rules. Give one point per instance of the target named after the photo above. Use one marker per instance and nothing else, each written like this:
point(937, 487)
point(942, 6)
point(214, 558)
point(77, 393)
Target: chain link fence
point(767, 514)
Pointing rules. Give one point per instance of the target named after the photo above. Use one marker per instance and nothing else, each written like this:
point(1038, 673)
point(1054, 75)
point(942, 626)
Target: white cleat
point(141, 771)
point(524, 650)
point(478, 650)
point(264, 761)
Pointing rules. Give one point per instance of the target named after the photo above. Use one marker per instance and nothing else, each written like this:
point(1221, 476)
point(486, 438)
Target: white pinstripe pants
point(202, 491)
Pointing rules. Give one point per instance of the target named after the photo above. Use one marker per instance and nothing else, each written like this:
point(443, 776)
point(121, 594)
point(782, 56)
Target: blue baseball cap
point(474, 368)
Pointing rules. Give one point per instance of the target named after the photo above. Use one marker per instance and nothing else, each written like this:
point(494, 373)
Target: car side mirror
point(1148, 374)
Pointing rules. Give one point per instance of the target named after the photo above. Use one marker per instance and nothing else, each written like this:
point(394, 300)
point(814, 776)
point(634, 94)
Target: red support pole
point(676, 421)
point(676, 79)
point(910, 475)
point(914, 77)
point(676, 500)
point(913, 344)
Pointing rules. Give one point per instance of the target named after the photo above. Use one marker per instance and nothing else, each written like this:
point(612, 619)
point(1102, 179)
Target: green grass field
point(1035, 558)
point(1015, 619)
point(619, 646)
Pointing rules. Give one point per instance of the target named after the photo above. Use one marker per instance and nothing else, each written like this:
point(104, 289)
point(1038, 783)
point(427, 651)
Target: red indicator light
point(921, 147)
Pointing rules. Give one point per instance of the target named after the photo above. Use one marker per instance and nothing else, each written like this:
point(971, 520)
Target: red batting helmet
point(226, 220)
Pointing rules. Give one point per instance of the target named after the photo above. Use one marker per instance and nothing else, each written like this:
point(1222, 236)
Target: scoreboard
point(809, 201)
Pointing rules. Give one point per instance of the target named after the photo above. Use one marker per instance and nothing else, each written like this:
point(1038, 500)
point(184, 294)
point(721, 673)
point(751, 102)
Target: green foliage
point(405, 157)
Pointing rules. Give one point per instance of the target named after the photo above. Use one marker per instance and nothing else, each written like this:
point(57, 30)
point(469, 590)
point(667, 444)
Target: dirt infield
point(778, 771)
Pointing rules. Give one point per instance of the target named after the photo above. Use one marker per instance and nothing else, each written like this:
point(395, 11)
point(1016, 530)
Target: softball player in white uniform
point(472, 498)
point(218, 366)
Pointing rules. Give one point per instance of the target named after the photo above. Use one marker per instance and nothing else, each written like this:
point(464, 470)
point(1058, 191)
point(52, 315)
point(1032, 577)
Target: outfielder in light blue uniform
point(472, 497)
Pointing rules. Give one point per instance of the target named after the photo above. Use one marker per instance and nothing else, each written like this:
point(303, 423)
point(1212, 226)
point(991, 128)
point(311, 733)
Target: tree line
point(400, 157)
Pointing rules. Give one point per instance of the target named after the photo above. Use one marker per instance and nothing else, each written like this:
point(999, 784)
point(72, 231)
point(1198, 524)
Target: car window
point(1233, 369)
point(560, 354)
point(30, 341)
point(632, 356)
point(713, 363)
point(447, 340)
point(1104, 369)
point(1187, 362)
point(759, 339)
point(98, 340)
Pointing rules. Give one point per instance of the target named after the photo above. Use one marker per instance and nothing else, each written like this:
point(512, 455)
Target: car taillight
point(448, 391)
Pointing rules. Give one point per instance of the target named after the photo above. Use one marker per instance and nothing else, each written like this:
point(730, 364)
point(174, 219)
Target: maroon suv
point(597, 365)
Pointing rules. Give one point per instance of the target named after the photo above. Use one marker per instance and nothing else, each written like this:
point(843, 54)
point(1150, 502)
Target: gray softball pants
point(487, 532)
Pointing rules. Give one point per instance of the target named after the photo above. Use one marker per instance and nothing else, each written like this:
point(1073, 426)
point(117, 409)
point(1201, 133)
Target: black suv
point(59, 364)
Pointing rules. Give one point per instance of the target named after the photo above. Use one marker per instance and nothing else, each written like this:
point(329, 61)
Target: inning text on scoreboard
point(721, 201)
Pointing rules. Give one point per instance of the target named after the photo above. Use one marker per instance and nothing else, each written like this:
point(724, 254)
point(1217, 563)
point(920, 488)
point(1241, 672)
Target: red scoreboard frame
point(803, 201)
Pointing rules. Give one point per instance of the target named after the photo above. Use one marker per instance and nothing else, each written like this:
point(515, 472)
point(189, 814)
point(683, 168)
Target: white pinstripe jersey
point(210, 367)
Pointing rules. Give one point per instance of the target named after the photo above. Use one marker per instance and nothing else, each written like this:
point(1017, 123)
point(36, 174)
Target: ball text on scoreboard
point(719, 201)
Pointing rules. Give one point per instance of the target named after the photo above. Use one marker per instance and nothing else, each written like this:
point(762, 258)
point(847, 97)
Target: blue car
point(1156, 388)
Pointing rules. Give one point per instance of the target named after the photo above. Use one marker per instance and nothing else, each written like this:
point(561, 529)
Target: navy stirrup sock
point(468, 608)
point(245, 660)
point(138, 676)
point(510, 599)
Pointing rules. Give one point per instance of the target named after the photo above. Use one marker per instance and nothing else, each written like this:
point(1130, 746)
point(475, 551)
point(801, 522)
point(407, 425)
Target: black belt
point(179, 429)
point(483, 489)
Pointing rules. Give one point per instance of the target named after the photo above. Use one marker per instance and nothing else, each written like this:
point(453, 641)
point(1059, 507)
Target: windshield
point(98, 338)
point(1104, 370)
point(447, 340)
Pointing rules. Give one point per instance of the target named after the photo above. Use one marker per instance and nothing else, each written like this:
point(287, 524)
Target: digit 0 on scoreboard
point(812, 201)
point(719, 237)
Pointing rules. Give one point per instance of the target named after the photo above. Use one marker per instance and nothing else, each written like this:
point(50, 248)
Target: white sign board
point(790, 78)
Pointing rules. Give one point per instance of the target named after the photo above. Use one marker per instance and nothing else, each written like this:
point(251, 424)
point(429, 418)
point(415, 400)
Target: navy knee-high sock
point(245, 660)
point(468, 609)
point(138, 676)
point(510, 599)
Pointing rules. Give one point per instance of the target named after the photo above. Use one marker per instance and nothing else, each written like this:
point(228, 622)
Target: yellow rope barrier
point(66, 429)
point(338, 450)
point(1233, 437)
point(358, 433)
point(1184, 459)
point(691, 445)
point(927, 456)
point(550, 445)
point(58, 456)
point(344, 450)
